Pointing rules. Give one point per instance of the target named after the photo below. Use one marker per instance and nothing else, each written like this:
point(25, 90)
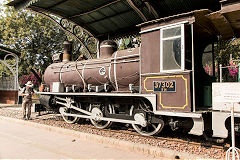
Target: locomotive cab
point(171, 61)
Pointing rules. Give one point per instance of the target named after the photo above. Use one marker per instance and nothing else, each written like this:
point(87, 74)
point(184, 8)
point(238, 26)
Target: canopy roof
point(114, 18)
point(4, 51)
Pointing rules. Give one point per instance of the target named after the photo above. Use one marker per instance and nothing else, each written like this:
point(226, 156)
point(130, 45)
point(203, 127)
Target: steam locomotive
point(159, 83)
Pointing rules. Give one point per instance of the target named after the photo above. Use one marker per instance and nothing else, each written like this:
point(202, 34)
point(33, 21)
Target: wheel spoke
point(154, 127)
point(70, 119)
point(149, 130)
point(99, 111)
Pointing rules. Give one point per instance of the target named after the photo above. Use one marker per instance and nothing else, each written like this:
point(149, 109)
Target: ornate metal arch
point(12, 67)
point(82, 36)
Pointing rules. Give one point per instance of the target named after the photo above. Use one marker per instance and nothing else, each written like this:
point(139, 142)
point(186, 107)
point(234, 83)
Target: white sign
point(227, 92)
point(224, 95)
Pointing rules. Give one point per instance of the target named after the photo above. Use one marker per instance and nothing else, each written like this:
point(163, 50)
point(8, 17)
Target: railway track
point(123, 129)
point(132, 132)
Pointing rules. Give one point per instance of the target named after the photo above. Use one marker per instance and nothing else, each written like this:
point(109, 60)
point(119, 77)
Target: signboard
point(225, 94)
point(164, 86)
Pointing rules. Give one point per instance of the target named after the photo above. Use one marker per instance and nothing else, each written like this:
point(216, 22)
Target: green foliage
point(34, 36)
point(4, 71)
point(223, 50)
point(127, 42)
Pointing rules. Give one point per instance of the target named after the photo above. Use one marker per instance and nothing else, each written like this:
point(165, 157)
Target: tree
point(34, 36)
point(223, 50)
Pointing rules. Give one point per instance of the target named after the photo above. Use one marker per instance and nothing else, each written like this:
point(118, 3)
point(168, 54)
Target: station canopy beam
point(109, 19)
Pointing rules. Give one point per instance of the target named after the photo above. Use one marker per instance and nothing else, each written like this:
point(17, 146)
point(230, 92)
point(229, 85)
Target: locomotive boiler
point(113, 70)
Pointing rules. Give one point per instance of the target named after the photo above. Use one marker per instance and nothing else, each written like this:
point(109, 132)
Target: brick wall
point(8, 97)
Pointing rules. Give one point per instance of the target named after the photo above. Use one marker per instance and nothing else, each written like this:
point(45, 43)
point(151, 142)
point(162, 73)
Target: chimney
point(107, 48)
point(67, 51)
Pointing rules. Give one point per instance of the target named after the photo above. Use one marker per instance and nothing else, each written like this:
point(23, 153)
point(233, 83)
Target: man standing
point(27, 92)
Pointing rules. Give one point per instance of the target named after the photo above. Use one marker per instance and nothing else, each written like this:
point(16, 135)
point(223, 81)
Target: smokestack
point(107, 48)
point(67, 51)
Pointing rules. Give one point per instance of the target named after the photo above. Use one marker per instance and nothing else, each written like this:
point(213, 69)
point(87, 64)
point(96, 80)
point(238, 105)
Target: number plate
point(164, 86)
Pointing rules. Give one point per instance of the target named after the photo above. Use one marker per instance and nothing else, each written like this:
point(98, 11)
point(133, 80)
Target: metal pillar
point(238, 72)
point(98, 49)
point(220, 70)
point(193, 70)
point(213, 61)
point(232, 149)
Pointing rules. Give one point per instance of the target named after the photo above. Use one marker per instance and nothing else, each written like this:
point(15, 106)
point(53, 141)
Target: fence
point(7, 83)
point(226, 77)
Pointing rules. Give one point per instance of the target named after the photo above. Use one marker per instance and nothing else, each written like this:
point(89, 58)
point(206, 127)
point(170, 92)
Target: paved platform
point(19, 141)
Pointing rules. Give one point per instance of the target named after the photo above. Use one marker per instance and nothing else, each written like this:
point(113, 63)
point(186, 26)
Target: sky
point(1, 6)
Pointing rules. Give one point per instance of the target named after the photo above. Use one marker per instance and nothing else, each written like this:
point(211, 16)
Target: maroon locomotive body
point(160, 82)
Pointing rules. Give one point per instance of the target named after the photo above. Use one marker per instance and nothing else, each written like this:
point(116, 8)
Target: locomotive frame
point(171, 78)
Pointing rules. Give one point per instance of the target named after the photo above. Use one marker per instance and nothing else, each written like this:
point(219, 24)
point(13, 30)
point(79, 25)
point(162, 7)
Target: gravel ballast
point(124, 134)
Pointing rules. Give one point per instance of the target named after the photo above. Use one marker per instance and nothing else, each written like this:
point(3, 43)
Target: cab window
point(172, 48)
